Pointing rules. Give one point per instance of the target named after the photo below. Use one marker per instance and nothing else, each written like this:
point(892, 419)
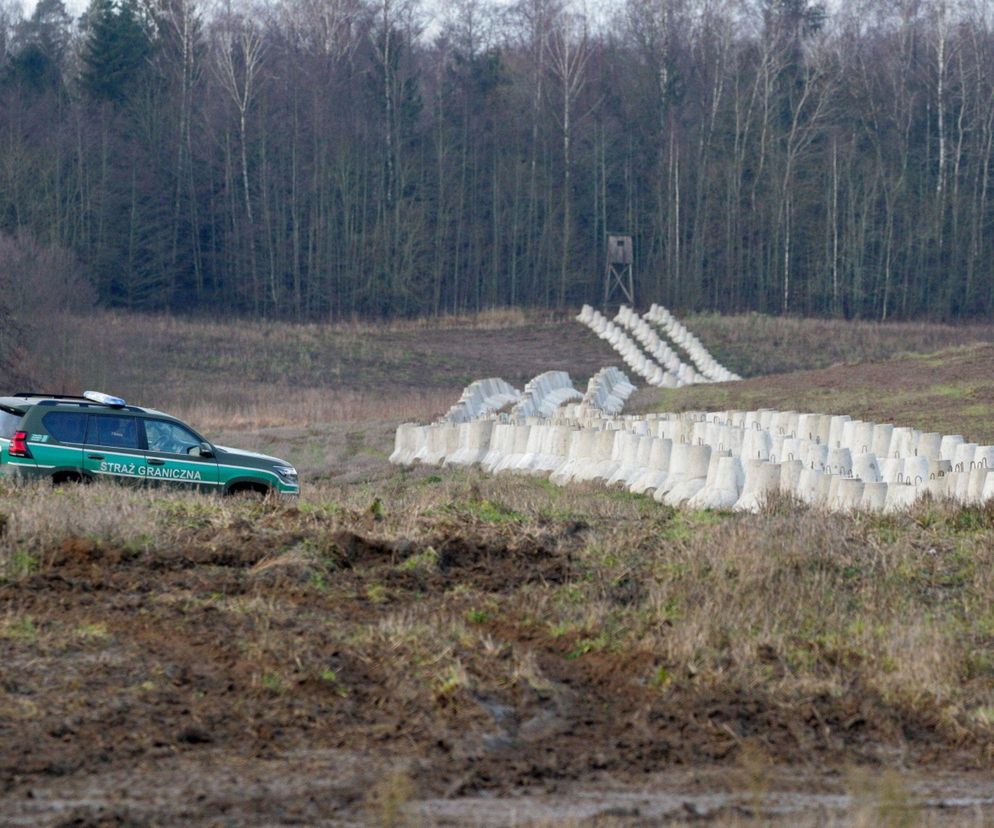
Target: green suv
point(94, 436)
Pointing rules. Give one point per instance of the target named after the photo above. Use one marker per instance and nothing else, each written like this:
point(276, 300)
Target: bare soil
point(205, 678)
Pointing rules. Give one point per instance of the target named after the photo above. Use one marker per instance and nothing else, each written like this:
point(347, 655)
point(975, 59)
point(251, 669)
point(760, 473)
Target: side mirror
point(206, 450)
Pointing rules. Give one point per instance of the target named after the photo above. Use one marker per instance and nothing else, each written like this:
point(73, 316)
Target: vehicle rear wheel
point(66, 478)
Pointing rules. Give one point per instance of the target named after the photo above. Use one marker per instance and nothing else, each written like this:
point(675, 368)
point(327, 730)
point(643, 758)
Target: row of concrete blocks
point(545, 394)
point(840, 431)
point(699, 355)
point(653, 373)
point(703, 460)
point(607, 392)
point(657, 348)
point(482, 397)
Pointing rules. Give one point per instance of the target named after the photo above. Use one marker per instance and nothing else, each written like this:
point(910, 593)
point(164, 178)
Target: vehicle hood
point(240, 457)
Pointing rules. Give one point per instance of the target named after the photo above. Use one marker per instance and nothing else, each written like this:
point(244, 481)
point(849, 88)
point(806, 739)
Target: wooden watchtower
point(619, 273)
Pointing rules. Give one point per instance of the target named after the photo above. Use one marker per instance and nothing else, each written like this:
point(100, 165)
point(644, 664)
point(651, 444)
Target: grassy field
point(950, 391)
point(423, 646)
point(252, 374)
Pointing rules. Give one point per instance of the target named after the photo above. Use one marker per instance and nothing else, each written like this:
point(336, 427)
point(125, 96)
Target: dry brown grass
point(251, 374)
point(754, 345)
point(245, 374)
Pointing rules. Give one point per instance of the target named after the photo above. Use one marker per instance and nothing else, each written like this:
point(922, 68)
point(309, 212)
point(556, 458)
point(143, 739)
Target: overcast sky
point(434, 10)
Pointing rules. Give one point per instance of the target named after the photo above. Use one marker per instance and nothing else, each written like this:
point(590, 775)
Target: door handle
point(95, 456)
point(152, 461)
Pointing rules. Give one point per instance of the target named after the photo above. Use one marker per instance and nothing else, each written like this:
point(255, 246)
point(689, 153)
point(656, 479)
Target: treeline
point(316, 158)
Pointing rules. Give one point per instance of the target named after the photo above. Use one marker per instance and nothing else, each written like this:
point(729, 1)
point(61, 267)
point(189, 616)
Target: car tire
point(248, 491)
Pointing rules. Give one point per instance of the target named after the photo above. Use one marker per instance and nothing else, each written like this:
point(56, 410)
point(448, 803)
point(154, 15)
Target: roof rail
point(95, 399)
point(43, 395)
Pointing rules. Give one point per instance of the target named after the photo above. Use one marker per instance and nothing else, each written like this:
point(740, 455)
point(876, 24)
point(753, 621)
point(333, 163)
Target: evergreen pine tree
point(116, 51)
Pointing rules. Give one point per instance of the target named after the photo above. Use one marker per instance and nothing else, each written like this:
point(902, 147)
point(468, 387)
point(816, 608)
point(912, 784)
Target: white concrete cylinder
point(519, 449)
point(698, 460)
point(600, 465)
point(555, 451)
point(848, 495)
point(501, 440)
point(874, 497)
point(904, 442)
point(679, 460)
point(762, 480)
point(984, 456)
point(659, 464)
point(988, 493)
point(836, 431)
point(963, 456)
point(629, 444)
point(929, 445)
point(790, 449)
point(474, 442)
point(862, 438)
point(892, 470)
point(756, 445)
point(915, 470)
point(947, 447)
point(900, 497)
point(790, 476)
point(936, 486)
point(723, 487)
point(824, 428)
point(865, 467)
point(962, 487)
point(581, 446)
point(975, 488)
point(812, 487)
point(882, 434)
point(409, 439)
point(840, 461)
point(816, 456)
point(533, 448)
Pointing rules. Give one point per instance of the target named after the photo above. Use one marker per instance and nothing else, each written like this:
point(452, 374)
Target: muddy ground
point(270, 664)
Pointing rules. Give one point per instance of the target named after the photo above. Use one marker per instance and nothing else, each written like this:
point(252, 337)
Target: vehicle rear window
point(115, 432)
point(65, 426)
point(9, 423)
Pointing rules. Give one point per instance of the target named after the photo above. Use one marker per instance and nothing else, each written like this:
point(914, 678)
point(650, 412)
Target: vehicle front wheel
point(248, 491)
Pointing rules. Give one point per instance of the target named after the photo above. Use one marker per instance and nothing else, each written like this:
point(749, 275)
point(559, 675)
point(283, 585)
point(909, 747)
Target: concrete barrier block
point(695, 476)
point(874, 496)
point(762, 480)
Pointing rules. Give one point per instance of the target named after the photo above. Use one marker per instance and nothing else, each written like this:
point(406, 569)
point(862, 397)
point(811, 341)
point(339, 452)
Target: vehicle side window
point(9, 423)
point(171, 438)
point(65, 426)
point(115, 432)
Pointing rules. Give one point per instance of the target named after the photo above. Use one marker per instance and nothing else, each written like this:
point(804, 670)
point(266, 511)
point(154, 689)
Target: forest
point(322, 159)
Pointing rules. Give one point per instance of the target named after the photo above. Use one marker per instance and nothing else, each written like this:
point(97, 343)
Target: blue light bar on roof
point(104, 399)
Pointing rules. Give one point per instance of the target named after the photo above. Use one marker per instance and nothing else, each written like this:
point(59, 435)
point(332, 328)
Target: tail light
point(19, 445)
